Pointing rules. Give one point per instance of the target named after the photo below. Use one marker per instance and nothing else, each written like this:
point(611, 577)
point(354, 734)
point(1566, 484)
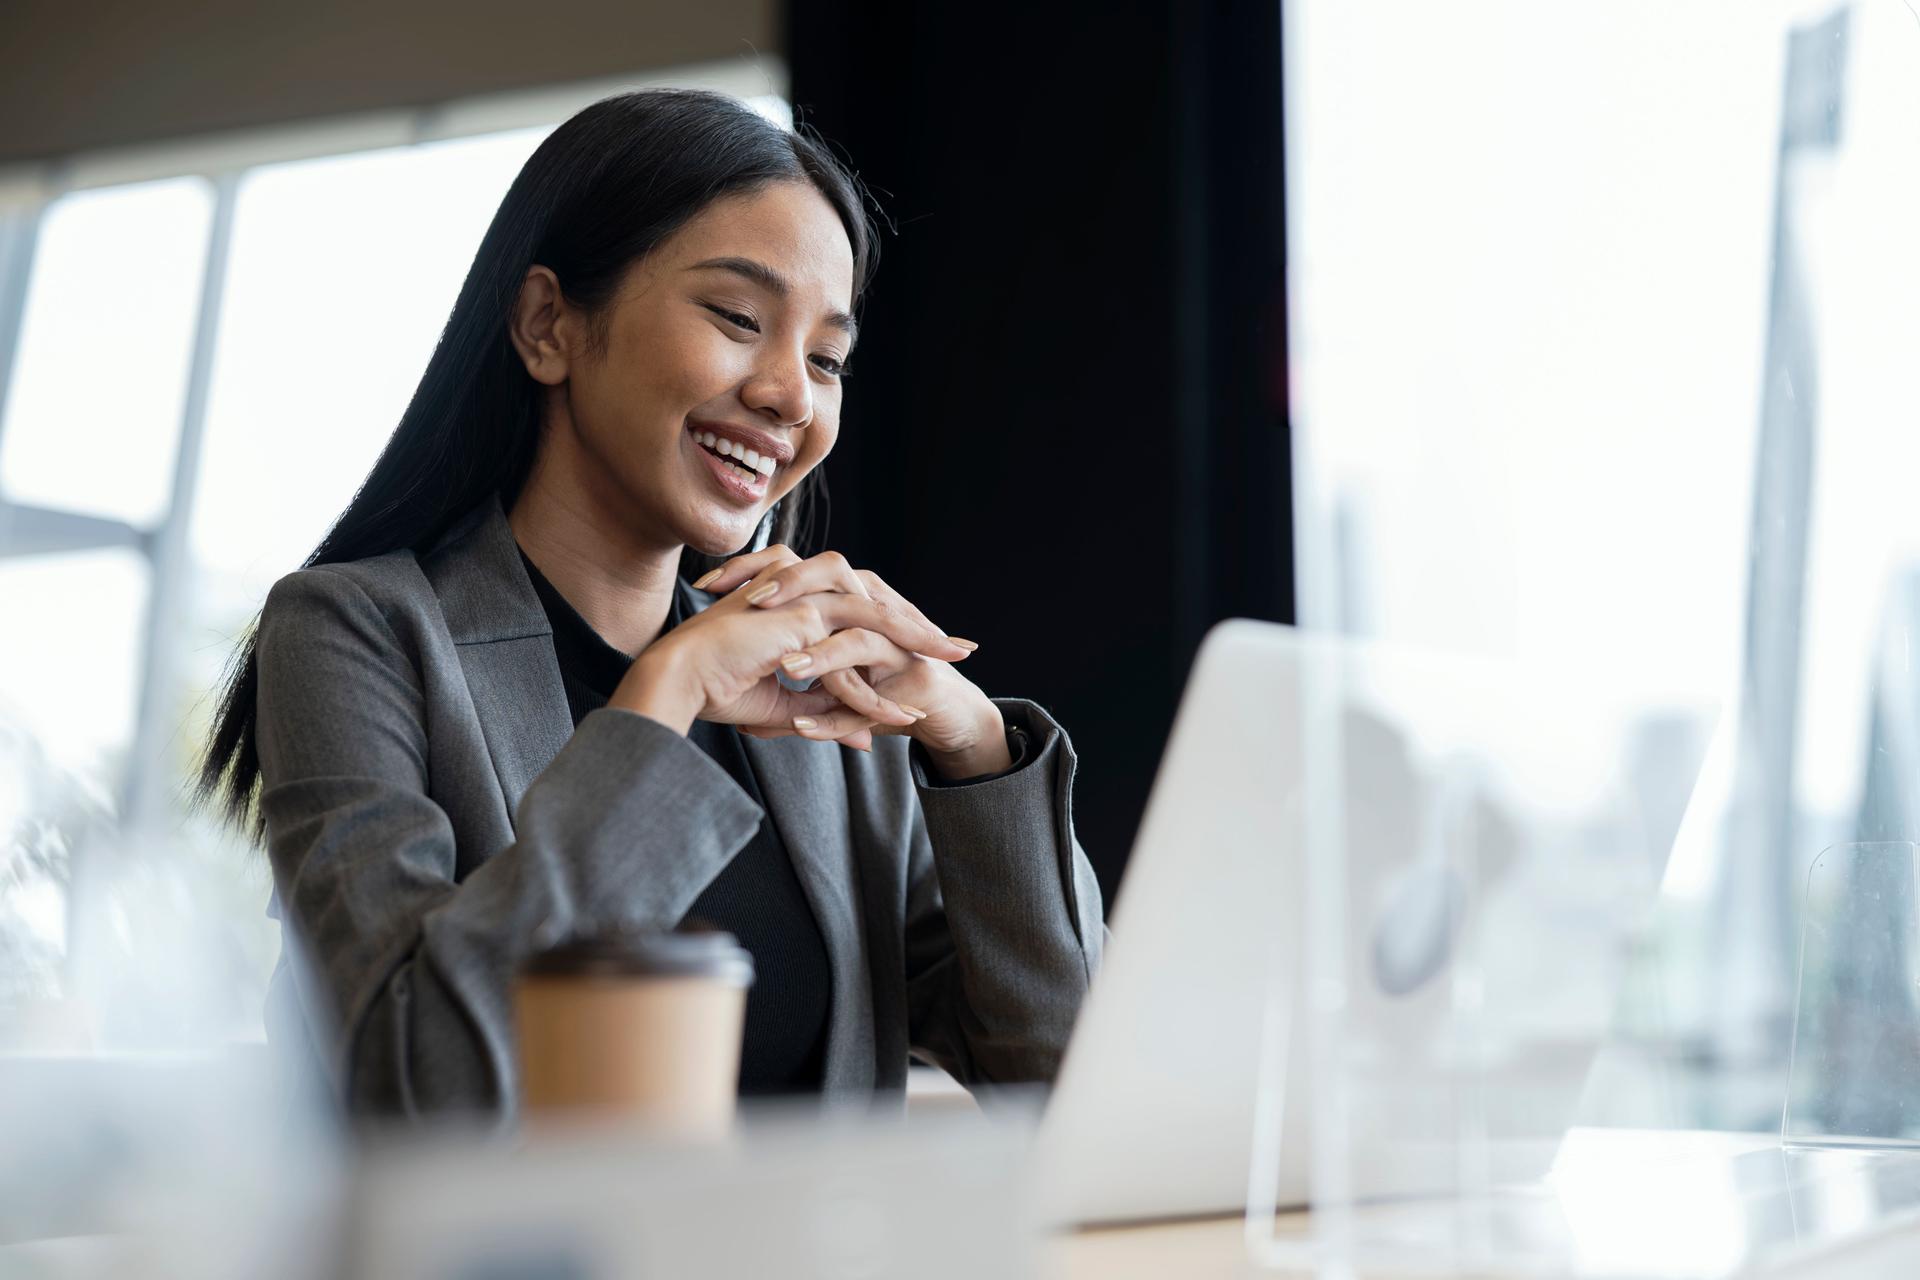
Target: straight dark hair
point(600, 193)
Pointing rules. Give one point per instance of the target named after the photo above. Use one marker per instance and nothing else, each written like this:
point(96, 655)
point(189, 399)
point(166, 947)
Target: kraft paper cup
point(641, 1028)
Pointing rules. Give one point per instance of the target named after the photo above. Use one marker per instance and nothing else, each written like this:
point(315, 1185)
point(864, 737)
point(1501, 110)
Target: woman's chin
point(720, 542)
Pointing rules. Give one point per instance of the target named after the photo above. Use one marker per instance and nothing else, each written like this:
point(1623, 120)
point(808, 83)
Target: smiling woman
point(492, 714)
point(737, 324)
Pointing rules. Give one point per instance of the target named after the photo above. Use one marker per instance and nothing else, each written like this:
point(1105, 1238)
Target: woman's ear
point(543, 326)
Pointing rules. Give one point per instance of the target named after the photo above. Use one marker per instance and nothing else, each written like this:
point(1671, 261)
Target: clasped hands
point(877, 664)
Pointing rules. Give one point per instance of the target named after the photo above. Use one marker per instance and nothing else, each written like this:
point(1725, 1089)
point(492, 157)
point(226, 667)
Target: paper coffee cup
point(643, 1028)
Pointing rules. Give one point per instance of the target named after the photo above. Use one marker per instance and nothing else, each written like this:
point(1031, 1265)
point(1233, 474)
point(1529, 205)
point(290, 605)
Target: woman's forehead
point(789, 227)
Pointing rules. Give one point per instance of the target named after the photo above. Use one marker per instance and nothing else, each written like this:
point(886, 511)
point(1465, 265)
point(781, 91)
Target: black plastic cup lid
point(683, 953)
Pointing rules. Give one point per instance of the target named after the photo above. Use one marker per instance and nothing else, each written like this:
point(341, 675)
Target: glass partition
point(1482, 843)
point(1854, 1078)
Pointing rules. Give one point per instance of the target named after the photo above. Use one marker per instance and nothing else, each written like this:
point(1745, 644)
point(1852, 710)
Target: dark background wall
point(1065, 432)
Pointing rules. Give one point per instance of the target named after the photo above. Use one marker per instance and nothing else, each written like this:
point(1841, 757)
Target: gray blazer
point(433, 816)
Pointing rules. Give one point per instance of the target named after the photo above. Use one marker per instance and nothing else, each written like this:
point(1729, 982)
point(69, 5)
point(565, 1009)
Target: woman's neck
point(621, 586)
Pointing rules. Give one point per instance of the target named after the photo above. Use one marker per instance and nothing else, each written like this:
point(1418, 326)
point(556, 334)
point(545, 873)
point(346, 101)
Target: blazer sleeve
point(410, 966)
point(1004, 926)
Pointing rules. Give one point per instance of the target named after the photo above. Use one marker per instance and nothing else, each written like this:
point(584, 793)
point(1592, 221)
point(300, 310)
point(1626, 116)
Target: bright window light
point(93, 418)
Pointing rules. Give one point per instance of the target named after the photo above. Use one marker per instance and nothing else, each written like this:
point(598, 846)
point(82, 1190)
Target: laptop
point(1488, 840)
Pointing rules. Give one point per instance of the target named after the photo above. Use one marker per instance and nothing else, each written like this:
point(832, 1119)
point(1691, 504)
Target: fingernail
point(805, 724)
point(915, 712)
point(762, 592)
point(795, 663)
point(968, 645)
point(700, 583)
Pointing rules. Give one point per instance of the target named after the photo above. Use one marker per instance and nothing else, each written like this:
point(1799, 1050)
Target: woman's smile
point(741, 475)
point(729, 336)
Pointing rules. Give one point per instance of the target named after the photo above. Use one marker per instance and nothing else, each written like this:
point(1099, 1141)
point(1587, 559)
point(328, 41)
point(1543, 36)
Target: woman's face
point(729, 336)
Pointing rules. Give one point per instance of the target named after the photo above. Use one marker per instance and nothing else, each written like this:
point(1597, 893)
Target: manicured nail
point(805, 724)
point(700, 584)
point(915, 712)
point(762, 592)
point(968, 645)
point(795, 663)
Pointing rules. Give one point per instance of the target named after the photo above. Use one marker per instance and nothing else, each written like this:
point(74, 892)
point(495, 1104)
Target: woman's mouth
point(740, 473)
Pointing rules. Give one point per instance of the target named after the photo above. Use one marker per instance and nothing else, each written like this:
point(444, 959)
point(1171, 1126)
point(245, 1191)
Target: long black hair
point(598, 195)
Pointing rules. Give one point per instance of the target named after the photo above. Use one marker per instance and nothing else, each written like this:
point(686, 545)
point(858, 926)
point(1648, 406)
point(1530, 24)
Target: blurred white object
point(46, 813)
point(136, 1136)
point(178, 1165)
point(794, 1195)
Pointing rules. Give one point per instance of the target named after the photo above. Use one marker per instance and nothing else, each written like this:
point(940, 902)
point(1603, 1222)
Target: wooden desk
point(1887, 1244)
point(1187, 1250)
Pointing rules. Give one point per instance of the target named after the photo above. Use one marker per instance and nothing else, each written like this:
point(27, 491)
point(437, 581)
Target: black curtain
point(1065, 431)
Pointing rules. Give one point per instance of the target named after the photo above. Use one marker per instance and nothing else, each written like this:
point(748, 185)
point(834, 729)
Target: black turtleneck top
point(757, 898)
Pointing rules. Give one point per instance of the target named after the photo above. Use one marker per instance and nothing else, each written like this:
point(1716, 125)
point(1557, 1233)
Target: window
point(1604, 326)
point(343, 272)
point(101, 371)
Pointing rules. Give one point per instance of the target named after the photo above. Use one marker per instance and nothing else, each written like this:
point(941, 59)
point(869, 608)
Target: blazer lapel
point(806, 796)
point(523, 710)
point(505, 646)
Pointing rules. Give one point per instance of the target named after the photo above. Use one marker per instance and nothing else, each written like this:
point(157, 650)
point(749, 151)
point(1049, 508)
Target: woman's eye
point(827, 364)
point(735, 318)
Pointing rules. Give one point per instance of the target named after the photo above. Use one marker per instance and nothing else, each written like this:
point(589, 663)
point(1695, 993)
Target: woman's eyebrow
point(772, 281)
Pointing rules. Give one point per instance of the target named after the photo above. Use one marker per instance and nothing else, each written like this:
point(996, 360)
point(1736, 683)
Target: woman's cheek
point(824, 431)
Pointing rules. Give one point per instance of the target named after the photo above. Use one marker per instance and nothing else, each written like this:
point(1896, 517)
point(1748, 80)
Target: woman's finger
point(810, 702)
point(802, 702)
point(863, 680)
point(857, 694)
point(822, 613)
point(776, 580)
point(861, 739)
point(825, 726)
point(828, 571)
point(852, 647)
point(880, 589)
point(744, 568)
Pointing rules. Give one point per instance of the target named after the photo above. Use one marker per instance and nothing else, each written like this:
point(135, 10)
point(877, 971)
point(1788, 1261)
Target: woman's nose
point(780, 390)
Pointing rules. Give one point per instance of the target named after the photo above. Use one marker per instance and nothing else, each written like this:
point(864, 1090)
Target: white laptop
point(1522, 821)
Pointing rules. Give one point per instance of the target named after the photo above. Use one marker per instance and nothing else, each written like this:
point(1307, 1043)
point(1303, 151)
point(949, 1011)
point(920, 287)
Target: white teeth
point(749, 459)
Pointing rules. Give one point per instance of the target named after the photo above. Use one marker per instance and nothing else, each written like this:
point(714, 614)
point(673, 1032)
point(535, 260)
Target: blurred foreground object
point(794, 1195)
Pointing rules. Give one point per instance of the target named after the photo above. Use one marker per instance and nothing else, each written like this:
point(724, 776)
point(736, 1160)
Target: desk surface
point(1698, 1203)
point(1835, 1215)
point(1216, 1247)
